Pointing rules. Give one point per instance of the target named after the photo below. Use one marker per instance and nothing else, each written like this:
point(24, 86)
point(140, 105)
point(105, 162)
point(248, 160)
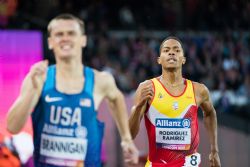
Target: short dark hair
point(171, 37)
point(67, 16)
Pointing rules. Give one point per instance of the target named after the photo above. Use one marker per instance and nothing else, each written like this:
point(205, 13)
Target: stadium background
point(124, 38)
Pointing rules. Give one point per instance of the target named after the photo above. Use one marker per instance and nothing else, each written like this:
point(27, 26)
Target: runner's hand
point(214, 159)
point(130, 152)
point(145, 94)
point(38, 73)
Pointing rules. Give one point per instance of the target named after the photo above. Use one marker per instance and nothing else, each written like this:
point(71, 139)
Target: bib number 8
point(192, 160)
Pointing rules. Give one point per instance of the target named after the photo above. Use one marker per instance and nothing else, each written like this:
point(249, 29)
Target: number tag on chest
point(174, 134)
point(59, 150)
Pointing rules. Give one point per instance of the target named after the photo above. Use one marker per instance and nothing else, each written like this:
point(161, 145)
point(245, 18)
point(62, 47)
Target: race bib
point(60, 150)
point(193, 160)
point(173, 134)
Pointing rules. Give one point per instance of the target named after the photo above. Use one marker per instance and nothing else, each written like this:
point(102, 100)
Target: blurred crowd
point(130, 14)
point(214, 35)
point(221, 61)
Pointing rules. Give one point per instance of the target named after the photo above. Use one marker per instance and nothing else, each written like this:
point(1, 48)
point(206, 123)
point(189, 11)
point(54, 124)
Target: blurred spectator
point(23, 144)
point(7, 9)
point(126, 17)
point(244, 89)
point(8, 156)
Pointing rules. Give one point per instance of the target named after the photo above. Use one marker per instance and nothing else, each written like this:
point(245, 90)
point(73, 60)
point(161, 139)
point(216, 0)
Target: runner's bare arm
point(30, 92)
point(143, 95)
point(116, 103)
point(118, 111)
point(210, 120)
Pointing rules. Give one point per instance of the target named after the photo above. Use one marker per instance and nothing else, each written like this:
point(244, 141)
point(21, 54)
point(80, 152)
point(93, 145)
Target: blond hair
point(66, 16)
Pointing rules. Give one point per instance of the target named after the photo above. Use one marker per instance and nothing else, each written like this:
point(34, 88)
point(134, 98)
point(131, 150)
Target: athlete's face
point(66, 39)
point(171, 55)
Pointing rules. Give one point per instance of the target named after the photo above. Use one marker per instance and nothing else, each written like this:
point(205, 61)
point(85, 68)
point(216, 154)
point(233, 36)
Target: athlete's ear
point(84, 41)
point(184, 60)
point(158, 60)
point(50, 43)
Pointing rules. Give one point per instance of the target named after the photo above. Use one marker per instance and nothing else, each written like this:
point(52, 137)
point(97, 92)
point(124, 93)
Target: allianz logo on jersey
point(173, 123)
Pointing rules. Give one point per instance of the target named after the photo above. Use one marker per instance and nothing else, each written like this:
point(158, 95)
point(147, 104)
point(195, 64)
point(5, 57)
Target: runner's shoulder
point(200, 88)
point(145, 84)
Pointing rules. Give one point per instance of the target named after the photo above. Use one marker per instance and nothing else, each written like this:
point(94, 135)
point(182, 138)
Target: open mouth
point(171, 60)
point(66, 47)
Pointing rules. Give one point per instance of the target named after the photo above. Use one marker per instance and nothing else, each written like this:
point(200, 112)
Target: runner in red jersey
point(169, 105)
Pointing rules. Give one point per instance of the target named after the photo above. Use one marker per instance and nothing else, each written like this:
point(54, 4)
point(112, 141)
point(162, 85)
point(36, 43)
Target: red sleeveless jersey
point(172, 127)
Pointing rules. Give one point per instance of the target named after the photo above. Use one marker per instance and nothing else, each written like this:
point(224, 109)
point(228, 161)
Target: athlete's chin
point(65, 56)
point(170, 68)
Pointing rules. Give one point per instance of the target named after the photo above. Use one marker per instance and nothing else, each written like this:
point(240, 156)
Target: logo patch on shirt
point(81, 132)
point(52, 99)
point(85, 102)
point(175, 105)
point(160, 96)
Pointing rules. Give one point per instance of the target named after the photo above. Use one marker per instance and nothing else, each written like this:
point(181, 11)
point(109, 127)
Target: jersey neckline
point(72, 94)
point(182, 93)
